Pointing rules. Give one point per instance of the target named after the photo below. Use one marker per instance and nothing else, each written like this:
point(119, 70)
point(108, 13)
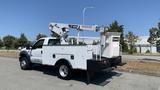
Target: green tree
point(1, 43)
point(115, 27)
point(22, 41)
point(125, 47)
point(29, 44)
point(9, 41)
point(40, 36)
point(154, 35)
point(131, 39)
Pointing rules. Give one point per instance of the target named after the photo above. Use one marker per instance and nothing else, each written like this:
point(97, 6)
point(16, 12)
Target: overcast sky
point(33, 16)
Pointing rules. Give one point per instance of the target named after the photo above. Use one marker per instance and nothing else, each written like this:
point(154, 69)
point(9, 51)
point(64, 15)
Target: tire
point(64, 71)
point(24, 64)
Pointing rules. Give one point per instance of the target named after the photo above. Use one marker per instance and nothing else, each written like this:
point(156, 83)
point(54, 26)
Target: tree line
point(154, 35)
point(12, 42)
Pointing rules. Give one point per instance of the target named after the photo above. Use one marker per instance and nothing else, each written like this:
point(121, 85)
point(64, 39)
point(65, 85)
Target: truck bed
point(76, 55)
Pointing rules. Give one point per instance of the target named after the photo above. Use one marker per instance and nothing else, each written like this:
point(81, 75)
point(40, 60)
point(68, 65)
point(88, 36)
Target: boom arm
point(63, 29)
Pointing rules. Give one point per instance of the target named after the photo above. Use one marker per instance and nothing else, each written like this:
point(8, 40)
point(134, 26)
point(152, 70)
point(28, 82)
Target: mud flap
point(94, 66)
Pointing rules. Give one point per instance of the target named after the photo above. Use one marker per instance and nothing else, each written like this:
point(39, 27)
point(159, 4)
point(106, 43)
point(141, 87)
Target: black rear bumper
point(115, 61)
point(101, 65)
point(97, 65)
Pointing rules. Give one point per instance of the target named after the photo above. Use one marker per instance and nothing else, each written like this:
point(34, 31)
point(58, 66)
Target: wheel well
point(24, 55)
point(62, 61)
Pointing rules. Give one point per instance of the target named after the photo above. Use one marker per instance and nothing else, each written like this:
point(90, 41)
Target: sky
point(33, 16)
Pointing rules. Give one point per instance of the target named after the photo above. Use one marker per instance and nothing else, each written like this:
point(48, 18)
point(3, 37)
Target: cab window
point(52, 42)
point(38, 44)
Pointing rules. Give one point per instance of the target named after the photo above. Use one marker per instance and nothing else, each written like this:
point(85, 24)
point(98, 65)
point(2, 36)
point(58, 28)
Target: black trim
point(97, 65)
point(72, 57)
point(94, 65)
point(115, 61)
point(24, 54)
point(54, 56)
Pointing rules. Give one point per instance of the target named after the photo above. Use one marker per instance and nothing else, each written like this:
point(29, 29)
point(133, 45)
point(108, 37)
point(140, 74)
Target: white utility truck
point(57, 51)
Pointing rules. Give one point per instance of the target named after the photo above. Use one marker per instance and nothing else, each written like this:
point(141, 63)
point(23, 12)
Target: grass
point(143, 54)
point(144, 67)
point(9, 53)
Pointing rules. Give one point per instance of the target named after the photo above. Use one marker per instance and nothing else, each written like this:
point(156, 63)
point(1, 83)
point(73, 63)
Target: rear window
point(115, 39)
point(52, 42)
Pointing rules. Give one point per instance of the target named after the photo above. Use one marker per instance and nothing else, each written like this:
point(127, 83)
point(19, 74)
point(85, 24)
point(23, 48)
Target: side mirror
point(19, 48)
point(28, 47)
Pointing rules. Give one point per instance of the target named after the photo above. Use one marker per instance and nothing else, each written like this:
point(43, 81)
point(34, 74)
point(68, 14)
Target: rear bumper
point(115, 61)
point(97, 65)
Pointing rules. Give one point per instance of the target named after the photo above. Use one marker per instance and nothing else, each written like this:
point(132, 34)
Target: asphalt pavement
point(45, 78)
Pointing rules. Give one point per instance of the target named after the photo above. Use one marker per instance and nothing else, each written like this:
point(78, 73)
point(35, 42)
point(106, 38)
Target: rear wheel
point(64, 71)
point(24, 63)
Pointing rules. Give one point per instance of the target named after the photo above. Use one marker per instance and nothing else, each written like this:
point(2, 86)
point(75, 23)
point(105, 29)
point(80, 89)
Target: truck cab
point(36, 51)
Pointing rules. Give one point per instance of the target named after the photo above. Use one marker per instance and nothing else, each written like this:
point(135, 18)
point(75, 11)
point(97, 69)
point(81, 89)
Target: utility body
point(57, 51)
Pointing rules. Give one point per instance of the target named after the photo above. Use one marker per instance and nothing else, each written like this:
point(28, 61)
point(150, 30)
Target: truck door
point(36, 52)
